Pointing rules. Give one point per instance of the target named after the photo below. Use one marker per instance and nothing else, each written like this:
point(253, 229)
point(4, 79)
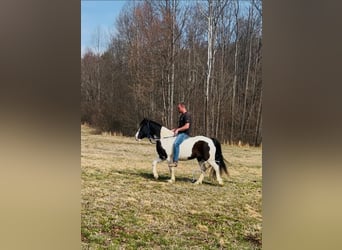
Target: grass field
point(124, 207)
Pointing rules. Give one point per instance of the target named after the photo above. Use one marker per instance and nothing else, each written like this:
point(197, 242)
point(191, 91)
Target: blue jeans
point(179, 139)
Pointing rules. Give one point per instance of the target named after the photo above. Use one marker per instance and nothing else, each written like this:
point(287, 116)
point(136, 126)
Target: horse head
point(148, 129)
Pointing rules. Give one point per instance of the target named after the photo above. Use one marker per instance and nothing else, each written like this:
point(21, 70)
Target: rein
point(167, 137)
point(158, 139)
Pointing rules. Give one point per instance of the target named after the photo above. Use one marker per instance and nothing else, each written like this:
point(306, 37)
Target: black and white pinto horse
point(204, 149)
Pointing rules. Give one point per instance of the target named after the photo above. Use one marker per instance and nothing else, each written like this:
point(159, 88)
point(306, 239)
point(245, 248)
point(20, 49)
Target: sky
point(98, 15)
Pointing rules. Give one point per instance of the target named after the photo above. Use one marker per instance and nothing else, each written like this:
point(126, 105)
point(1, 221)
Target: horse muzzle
point(136, 136)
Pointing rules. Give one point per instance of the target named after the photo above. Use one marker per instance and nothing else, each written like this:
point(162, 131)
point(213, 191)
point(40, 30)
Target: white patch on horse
point(164, 132)
point(136, 135)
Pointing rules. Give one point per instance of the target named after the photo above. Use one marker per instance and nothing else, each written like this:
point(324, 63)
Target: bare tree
point(208, 55)
point(250, 37)
point(214, 11)
point(235, 71)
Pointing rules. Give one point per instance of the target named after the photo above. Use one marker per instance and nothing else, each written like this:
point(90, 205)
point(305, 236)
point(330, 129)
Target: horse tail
point(219, 157)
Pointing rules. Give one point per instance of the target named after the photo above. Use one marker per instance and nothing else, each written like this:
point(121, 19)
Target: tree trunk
point(233, 97)
point(235, 73)
point(257, 127)
point(164, 118)
point(254, 89)
point(246, 86)
point(209, 65)
point(173, 20)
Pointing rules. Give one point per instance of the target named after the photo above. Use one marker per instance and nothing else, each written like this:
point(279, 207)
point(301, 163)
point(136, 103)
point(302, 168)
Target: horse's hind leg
point(203, 169)
point(217, 171)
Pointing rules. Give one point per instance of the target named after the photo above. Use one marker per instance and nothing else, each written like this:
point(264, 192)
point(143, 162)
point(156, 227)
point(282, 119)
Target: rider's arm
point(185, 127)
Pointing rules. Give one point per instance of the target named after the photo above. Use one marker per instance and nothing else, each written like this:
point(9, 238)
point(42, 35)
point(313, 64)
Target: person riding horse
point(206, 150)
point(182, 132)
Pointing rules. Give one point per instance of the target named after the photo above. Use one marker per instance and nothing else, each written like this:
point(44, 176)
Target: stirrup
point(173, 164)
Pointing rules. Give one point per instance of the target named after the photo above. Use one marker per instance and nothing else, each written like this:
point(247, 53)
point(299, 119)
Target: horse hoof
point(171, 181)
point(156, 177)
point(197, 183)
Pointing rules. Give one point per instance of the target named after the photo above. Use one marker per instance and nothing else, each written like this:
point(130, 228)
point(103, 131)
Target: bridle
point(151, 138)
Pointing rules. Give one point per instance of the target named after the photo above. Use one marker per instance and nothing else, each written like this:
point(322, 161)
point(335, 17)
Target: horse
point(204, 149)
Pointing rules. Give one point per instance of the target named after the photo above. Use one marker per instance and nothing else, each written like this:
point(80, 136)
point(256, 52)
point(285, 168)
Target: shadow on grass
point(254, 240)
point(164, 178)
point(150, 176)
point(178, 179)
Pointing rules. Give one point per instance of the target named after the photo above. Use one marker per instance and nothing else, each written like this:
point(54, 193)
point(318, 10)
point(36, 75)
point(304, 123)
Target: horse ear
point(143, 121)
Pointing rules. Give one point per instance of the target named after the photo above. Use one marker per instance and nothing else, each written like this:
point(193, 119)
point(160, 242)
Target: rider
point(182, 132)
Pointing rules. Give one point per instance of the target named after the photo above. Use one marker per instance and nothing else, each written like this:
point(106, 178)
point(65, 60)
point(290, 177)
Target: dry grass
point(123, 207)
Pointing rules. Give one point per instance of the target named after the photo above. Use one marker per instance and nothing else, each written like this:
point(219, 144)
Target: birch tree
point(214, 11)
point(235, 71)
point(250, 39)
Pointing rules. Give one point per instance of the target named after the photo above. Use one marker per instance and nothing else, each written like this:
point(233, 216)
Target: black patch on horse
point(200, 151)
point(219, 157)
point(161, 152)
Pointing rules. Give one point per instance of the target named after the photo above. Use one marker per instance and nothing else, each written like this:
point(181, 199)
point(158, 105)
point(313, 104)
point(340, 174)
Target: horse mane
point(163, 132)
point(145, 120)
point(155, 123)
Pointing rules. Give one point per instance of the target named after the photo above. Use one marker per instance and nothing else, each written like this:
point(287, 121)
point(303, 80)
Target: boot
point(173, 164)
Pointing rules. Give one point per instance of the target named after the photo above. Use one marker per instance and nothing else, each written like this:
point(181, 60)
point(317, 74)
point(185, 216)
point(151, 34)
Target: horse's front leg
point(154, 167)
point(172, 173)
point(172, 169)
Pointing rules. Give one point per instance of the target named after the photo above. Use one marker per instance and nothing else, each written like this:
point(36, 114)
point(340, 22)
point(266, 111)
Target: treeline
point(205, 53)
